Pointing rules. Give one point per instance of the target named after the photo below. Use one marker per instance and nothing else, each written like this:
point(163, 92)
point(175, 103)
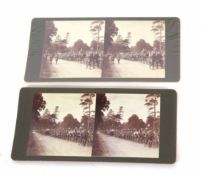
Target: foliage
point(86, 101)
point(70, 122)
point(151, 101)
point(135, 122)
point(110, 31)
point(142, 45)
point(50, 31)
point(38, 102)
point(95, 28)
point(79, 45)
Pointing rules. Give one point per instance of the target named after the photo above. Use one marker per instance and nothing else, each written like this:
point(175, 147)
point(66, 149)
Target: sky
point(77, 30)
point(68, 104)
point(139, 30)
point(132, 104)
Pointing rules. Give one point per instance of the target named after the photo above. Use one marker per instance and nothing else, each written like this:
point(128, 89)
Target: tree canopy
point(70, 122)
point(50, 31)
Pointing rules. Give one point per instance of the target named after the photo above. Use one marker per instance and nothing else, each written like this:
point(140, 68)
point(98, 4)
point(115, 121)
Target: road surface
point(51, 146)
point(134, 69)
point(68, 69)
point(116, 147)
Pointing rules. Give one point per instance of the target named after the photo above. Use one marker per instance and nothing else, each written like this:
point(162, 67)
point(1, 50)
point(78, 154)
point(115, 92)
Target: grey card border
point(172, 64)
point(167, 150)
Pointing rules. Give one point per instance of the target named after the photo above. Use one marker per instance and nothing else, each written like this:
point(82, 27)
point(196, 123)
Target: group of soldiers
point(145, 136)
point(155, 59)
point(91, 59)
point(81, 136)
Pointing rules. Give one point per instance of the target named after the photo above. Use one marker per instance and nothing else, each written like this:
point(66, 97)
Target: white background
point(15, 20)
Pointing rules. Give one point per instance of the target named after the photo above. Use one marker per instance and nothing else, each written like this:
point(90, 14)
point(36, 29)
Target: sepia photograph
point(73, 49)
point(109, 125)
point(134, 49)
point(127, 125)
point(104, 49)
point(62, 124)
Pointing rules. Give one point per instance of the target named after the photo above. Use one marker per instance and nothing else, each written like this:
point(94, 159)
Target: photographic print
point(73, 49)
point(76, 49)
point(134, 49)
point(127, 125)
point(62, 124)
point(104, 49)
point(109, 125)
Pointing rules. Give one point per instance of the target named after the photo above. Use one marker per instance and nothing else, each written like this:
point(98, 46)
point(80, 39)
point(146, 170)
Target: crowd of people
point(93, 59)
point(81, 136)
point(155, 59)
point(145, 136)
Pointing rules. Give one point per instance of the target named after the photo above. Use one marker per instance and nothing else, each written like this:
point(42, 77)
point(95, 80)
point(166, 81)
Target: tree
point(86, 101)
point(110, 114)
point(79, 45)
point(153, 122)
point(142, 45)
point(158, 27)
point(70, 122)
point(150, 121)
point(135, 123)
point(46, 113)
point(95, 46)
point(120, 45)
point(129, 38)
point(110, 31)
point(87, 123)
point(38, 105)
point(120, 112)
point(50, 31)
point(95, 28)
point(151, 101)
point(156, 45)
point(119, 39)
point(117, 117)
point(102, 104)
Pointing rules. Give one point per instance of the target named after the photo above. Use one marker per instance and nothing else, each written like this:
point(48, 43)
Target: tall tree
point(102, 104)
point(86, 101)
point(158, 27)
point(87, 123)
point(50, 31)
point(38, 105)
point(151, 101)
point(111, 30)
point(156, 45)
point(95, 28)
